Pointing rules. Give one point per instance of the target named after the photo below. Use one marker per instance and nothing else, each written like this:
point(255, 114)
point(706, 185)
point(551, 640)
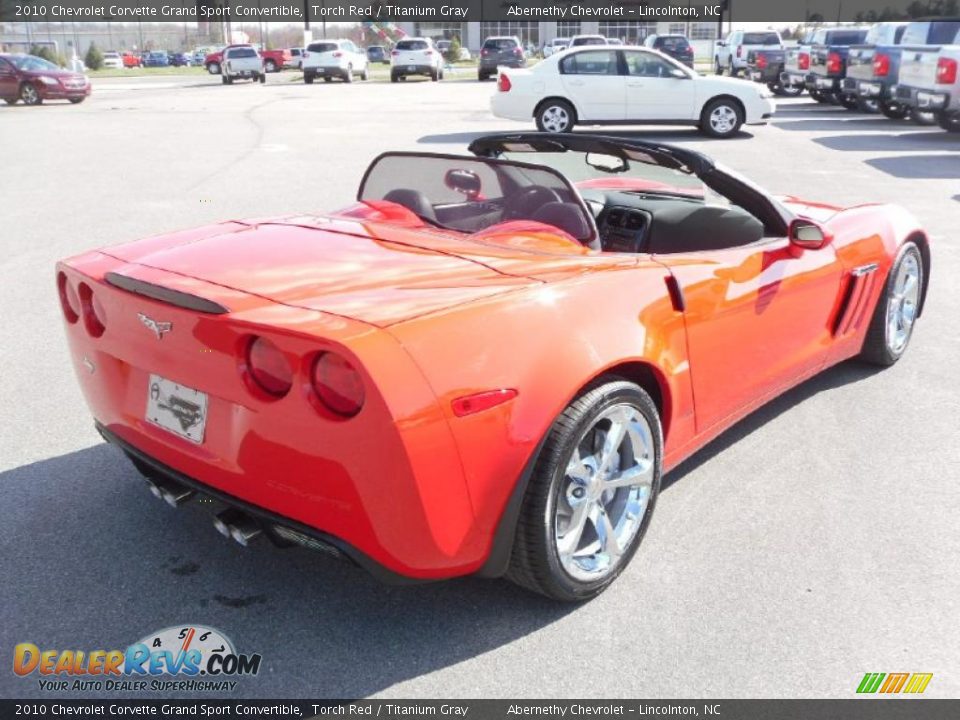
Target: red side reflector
point(469, 404)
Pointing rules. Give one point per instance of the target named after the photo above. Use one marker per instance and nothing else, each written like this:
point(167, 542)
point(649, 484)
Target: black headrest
point(413, 200)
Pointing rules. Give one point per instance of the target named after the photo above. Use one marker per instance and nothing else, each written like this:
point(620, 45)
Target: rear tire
point(11, 101)
point(394, 77)
point(868, 105)
point(434, 75)
point(894, 317)
point(365, 75)
point(213, 68)
point(270, 66)
point(950, 123)
point(308, 78)
point(923, 118)
point(575, 533)
point(482, 76)
point(555, 116)
point(721, 118)
point(848, 101)
point(894, 110)
point(819, 96)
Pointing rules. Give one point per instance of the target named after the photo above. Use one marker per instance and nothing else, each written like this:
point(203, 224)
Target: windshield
point(636, 175)
point(472, 195)
point(30, 62)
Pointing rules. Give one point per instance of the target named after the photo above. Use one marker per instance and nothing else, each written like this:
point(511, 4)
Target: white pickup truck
point(929, 79)
point(241, 62)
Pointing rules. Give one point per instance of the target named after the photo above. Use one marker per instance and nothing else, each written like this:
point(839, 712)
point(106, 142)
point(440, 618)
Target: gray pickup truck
point(765, 66)
point(828, 62)
point(819, 62)
point(872, 70)
point(929, 77)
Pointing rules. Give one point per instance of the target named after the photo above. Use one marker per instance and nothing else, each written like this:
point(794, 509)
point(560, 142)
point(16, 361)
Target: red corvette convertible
point(485, 365)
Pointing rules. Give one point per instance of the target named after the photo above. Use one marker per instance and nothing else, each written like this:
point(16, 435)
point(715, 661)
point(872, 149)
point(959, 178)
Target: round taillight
point(94, 317)
point(338, 384)
point(268, 367)
point(69, 301)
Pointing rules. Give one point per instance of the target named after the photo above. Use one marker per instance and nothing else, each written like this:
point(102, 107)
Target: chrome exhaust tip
point(237, 525)
point(171, 493)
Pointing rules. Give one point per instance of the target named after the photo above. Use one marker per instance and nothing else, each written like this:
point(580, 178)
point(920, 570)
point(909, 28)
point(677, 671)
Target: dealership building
point(472, 34)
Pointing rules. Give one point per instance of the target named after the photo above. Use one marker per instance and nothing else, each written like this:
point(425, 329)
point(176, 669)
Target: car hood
point(371, 272)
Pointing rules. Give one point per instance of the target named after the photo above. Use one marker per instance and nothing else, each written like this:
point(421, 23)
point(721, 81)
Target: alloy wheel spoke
point(639, 474)
point(568, 542)
point(606, 533)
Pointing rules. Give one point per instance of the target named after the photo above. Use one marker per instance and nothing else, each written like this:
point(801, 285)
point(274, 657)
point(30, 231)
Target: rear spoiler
point(165, 294)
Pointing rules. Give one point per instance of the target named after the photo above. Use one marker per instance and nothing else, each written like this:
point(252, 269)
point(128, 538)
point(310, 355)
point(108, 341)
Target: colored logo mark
point(913, 683)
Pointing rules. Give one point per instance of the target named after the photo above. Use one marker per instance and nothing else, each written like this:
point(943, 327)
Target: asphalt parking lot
point(816, 541)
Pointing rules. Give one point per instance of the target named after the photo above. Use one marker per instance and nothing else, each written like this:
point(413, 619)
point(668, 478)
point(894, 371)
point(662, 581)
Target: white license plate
point(825, 83)
point(176, 408)
point(411, 68)
point(870, 88)
point(755, 76)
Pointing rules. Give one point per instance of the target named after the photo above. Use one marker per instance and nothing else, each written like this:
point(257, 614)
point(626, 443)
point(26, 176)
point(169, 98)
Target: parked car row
point(897, 68)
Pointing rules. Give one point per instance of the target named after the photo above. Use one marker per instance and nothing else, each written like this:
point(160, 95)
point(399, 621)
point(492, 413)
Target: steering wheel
point(526, 202)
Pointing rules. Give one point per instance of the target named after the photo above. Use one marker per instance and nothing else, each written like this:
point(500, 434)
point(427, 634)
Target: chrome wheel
point(29, 95)
point(555, 119)
point(723, 119)
point(604, 494)
point(902, 304)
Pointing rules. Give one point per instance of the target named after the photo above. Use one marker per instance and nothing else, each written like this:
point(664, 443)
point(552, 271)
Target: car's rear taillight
point(94, 316)
point(503, 83)
point(881, 65)
point(803, 61)
point(338, 54)
point(946, 71)
point(762, 61)
point(833, 62)
point(337, 384)
point(305, 55)
point(428, 52)
point(394, 52)
point(518, 52)
point(268, 368)
point(739, 50)
point(484, 51)
point(69, 302)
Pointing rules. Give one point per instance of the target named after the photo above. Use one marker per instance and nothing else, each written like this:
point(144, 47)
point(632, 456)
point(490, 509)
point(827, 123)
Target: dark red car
point(33, 80)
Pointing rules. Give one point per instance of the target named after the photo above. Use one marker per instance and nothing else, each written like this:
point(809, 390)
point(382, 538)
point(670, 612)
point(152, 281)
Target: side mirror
point(678, 73)
point(463, 181)
point(808, 235)
point(721, 43)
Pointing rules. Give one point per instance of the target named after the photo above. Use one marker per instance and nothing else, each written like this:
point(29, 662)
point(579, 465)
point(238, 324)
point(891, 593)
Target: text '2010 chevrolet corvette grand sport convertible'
point(485, 364)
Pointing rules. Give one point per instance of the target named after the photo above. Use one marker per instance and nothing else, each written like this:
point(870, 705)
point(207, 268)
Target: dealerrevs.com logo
point(198, 658)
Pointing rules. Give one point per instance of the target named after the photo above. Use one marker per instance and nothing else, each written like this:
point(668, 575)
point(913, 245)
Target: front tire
point(555, 116)
point(76, 101)
point(891, 326)
point(270, 66)
point(591, 495)
point(365, 75)
point(213, 68)
point(721, 118)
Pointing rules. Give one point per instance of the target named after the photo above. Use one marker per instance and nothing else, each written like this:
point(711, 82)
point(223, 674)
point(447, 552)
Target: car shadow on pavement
point(918, 167)
point(845, 373)
point(930, 140)
point(833, 122)
point(93, 561)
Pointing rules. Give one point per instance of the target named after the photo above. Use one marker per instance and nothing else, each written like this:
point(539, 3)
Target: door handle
point(577, 83)
point(634, 83)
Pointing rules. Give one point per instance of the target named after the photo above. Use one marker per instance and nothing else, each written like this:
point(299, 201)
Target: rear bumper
point(872, 89)
point(492, 65)
point(402, 69)
point(921, 98)
point(270, 521)
point(763, 76)
point(334, 71)
point(794, 79)
point(823, 84)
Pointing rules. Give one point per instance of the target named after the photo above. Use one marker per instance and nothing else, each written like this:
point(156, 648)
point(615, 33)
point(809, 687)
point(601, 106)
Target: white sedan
point(626, 85)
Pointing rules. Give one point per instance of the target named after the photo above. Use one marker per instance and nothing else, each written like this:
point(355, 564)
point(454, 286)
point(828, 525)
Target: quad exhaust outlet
point(171, 493)
point(237, 525)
